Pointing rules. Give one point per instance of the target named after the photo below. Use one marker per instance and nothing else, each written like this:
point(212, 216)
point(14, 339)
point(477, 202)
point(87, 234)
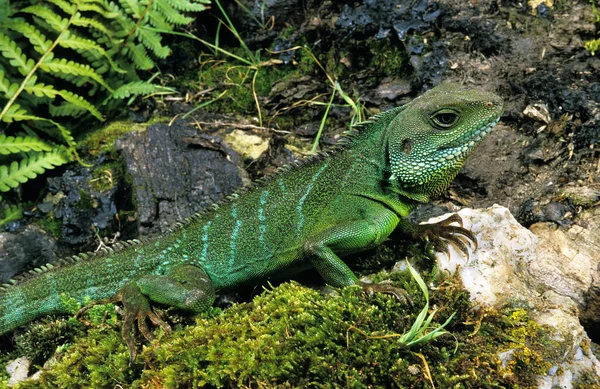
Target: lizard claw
point(399, 293)
point(442, 233)
point(136, 307)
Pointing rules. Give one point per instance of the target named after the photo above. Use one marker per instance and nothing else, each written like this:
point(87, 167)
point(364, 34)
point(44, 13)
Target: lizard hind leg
point(186, 287)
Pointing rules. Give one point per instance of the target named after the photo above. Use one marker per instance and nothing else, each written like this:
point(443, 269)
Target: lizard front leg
point(351, 237)
point(186, 287)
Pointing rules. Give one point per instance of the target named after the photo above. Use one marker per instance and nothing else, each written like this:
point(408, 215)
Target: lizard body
point(307, 215)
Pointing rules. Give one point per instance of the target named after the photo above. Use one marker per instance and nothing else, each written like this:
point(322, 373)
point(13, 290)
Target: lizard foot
point(442, 233)
point(136, 308)
point(399, 293)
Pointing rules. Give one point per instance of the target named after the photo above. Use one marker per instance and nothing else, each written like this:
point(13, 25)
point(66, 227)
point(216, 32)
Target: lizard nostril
point(488, 104)
point(407, 146)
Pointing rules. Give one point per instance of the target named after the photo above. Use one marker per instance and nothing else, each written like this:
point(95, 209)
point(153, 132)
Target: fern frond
point(39, 90)
point(80, 102)
point(171, 14)
point(97, 8)
point(47, 15)
point(29, 168)
point(151, 40)
point(6, 87)
point(17, 144)
point(15, 56)
point(37, 39)
point(158, 21)
point(139, 56)
point(17, 113)
point(139, 88)
point(131, 7)
point(189, 6)
point(60, 67)
point(82, 21)
point(11, 213)
point(66, 6)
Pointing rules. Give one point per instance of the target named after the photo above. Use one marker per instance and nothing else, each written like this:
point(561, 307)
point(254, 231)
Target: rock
point(78, 207)
point(18, 370)
point(173, 175)
point(546, 270)
point(19, 251)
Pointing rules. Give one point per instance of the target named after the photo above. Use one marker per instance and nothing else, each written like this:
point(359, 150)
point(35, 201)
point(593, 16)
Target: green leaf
point(29, 168)
point(189, 6)
point(80, 102)
point(41, 89)
point(62, 66)
point(66, 6)
point(140, 57)
point(13, 53)
point(11, 213)
point(6, 87)
point(18, 144)
point(151, 40)
point(54, 21)
point(36, 38)
point(139, 88)
point(131, 7)
point(16, 113)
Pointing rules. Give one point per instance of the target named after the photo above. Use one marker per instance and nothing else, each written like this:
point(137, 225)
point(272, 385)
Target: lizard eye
point(444, 119)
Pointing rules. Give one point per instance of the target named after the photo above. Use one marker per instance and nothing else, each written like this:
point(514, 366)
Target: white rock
point(549, 273)
point(18, 370)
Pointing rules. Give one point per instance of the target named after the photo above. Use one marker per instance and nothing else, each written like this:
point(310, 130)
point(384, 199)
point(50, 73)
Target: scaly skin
point(305, 216)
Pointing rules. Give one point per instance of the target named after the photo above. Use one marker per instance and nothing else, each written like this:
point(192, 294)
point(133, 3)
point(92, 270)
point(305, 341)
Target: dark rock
point(79, 209)
point(173, 178)
point(28, 249)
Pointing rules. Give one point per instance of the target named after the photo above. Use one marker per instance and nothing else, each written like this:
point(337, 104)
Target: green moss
point(51, 225)
point(387, 58)
point(103, 140)
point(106, 176)
point(294, 336)
point(85, 201)
point(40, 339)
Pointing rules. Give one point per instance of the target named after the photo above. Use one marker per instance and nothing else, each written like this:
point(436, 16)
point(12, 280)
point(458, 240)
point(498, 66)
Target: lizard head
point(429, 140)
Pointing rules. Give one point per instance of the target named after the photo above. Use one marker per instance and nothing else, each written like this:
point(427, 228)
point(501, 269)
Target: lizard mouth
point(461, 146)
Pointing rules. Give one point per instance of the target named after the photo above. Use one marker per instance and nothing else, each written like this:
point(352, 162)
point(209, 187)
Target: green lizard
point(307, 215)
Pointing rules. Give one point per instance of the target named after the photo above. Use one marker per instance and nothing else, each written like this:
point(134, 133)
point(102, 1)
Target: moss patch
point(103, 140)
point(294, 336)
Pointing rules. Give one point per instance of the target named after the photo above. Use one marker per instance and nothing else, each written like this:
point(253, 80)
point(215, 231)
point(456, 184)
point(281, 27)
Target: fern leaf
point(139, 88)
point(62, 66)
point(80, 102)
point(171, 14)
point(67, 7)
point(11, 214)
point(82, 21)
point(6, 87)
point(139, 56)
point(47, 15)
point(189, 6)
point(17, 144)
point(73, 41)
point(17, 113)
point(29, 168)
point(37, 39)
point(97, 8)
point(151, 40)
point(13, 53)
point(158, 21)
point(131, 7)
